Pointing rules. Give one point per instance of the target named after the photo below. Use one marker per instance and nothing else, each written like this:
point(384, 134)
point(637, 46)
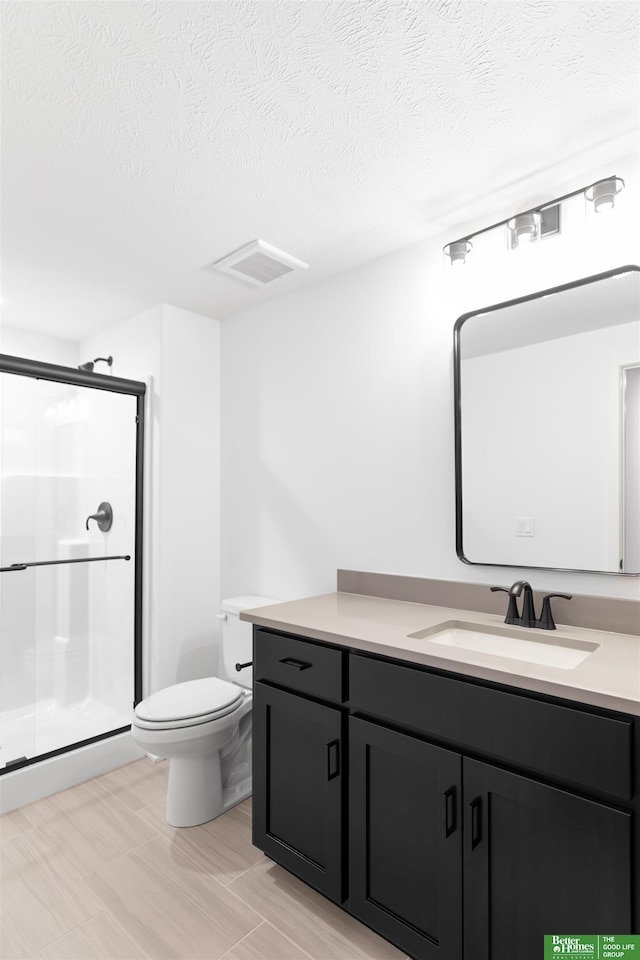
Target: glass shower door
point(66, 612)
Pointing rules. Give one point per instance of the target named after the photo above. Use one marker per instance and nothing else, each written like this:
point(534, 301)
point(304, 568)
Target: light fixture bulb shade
point(457, 251)
point(604, 203)
point(524, 228)
point(603, 193)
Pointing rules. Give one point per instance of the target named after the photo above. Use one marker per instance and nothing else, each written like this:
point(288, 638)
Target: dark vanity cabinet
point(299, 752)
point(538, 860)
point(405, 840)
point(474, 818)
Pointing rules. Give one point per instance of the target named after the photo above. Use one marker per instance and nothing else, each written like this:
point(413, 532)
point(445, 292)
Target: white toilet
point(204, 728)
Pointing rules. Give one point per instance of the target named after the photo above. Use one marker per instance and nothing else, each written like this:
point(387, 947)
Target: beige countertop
point(609, 677)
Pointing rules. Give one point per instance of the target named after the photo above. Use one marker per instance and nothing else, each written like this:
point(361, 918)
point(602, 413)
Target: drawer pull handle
point(476, 822)
point(333, 769)
point(449, 811)
point(298, 664)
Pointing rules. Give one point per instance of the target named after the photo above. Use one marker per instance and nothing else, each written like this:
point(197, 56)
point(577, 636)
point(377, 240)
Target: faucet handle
point(103, 517)
point(512, 610)
point(546, 621)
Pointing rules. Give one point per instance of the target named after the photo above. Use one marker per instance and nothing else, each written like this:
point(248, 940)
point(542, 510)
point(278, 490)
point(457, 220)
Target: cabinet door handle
point(476, 822)
point(333, 759)
point(298, 664)
point(449, 811)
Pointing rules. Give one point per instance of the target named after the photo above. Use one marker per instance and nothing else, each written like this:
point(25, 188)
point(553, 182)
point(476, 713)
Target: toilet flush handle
point(222, 616)
point(241, 666)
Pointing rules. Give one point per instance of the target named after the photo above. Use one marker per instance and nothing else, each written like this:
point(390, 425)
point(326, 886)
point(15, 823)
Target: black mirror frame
point(629, 268)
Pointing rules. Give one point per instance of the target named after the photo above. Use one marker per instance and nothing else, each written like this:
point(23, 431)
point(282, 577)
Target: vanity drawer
point(300, 665)
point(567, 744)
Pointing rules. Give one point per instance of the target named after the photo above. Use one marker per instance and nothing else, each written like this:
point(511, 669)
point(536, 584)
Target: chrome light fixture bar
point(540, 221)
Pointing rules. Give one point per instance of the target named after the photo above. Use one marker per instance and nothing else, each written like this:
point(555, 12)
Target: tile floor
point(96, 872)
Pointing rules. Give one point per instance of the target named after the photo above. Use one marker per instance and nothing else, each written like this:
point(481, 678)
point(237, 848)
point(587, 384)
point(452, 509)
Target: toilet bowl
point(204, 728)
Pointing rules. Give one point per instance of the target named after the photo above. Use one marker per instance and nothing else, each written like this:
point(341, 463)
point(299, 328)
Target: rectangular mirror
point(547, 419)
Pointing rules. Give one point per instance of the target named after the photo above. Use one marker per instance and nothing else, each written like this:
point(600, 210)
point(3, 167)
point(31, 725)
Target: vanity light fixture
point(603, 193)
point(541, 221)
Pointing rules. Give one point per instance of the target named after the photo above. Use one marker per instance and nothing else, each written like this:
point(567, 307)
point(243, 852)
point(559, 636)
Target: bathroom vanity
point(459, 808)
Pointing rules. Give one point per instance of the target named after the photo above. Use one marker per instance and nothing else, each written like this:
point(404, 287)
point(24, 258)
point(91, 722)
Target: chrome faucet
point(528, 617)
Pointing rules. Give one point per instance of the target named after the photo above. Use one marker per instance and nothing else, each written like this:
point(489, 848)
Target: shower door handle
point(55, 563)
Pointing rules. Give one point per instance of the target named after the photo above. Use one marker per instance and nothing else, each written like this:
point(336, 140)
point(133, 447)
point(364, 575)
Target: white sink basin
point(554, 651)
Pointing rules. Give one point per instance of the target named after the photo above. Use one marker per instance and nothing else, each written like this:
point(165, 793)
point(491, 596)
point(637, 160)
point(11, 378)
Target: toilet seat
point(188, 704)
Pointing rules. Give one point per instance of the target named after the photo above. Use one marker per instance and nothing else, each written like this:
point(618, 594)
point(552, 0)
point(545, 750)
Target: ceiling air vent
point(258, 263)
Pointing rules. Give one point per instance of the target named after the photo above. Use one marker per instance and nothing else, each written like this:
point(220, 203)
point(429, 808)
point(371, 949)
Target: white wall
point(38, 346)
point(337, 410)
point(188, 554)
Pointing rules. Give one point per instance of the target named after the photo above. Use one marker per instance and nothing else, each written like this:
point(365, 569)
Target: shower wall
point(178, 353)
point(38, 494)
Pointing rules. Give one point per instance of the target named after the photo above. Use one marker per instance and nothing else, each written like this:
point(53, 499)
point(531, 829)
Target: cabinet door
point(297, 786)
point(405, 846)
point(539, 860)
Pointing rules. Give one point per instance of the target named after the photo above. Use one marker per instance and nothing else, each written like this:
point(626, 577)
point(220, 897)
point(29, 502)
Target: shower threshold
point(33, 732)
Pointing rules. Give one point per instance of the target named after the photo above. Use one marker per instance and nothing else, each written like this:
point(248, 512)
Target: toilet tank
point(237, 636)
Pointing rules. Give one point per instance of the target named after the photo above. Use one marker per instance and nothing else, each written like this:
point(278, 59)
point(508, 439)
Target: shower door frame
point(38, 370)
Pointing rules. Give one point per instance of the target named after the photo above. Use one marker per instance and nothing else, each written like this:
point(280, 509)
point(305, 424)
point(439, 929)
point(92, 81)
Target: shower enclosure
point(71, 443)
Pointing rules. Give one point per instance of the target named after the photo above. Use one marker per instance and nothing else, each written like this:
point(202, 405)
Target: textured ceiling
point(142, 141)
